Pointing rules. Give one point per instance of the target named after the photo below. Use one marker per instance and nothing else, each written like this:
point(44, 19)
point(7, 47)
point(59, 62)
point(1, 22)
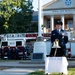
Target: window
point(4, 43)
point(70, 23)
point(19, 43)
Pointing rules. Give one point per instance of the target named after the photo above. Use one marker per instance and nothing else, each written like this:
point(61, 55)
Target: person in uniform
point(24, 52)
point(2, 52)
point(9, 52)
point(60, 35)
point(16, 53)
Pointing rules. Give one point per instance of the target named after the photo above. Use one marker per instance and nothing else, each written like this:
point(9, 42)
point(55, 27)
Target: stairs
point(36, 64)
point(33, 64)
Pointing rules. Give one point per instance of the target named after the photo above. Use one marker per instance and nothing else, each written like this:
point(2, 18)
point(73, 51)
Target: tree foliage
point(17, 15)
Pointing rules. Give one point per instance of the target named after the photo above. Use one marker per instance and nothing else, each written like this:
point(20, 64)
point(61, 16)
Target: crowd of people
point(17, 52)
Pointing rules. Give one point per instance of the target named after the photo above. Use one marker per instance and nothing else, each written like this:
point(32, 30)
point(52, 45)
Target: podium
point(56, 64)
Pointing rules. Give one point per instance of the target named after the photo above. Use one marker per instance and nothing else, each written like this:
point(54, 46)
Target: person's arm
point(65, 39)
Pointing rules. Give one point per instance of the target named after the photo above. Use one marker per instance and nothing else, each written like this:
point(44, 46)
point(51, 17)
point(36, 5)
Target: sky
point(35, 3)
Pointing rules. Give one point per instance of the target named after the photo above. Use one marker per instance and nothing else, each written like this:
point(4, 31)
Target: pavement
point(20, 67)
point(17, 71)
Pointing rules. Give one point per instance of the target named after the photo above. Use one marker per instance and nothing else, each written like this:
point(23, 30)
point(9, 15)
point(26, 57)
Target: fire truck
point(19, 40)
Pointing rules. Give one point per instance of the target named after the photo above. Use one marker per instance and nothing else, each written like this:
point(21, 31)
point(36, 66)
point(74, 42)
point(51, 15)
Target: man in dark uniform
point(9, 52)
point(62, 38)
point(16, 53)
point(2, 52)
point(24, 52)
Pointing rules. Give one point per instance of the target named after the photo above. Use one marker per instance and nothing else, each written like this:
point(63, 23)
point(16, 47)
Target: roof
point(47, 4)
point(59, 4)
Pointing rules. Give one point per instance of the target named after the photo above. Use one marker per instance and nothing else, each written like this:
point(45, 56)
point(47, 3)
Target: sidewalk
point(17, 71)
point(23, 67)
point(17, 68)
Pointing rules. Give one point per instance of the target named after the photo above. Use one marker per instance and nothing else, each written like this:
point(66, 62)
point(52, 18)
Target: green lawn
point(71, 71)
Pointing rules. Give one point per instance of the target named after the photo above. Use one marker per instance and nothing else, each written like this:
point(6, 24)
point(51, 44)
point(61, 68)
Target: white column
point(62, 19)
point(52, 22)
point(42, 22)
point(39, 18)
point(45, 23)
point(42, 18)
point(74, 21)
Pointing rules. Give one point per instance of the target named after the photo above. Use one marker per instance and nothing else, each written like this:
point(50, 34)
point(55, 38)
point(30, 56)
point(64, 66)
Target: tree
point(2, 20)
point(17, 14)
point(34, 27)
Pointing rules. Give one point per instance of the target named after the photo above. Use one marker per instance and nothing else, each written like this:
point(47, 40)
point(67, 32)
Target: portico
point(59, 10)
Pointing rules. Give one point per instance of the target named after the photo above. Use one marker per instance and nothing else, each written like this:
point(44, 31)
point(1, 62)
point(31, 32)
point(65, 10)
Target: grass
point(71, 71)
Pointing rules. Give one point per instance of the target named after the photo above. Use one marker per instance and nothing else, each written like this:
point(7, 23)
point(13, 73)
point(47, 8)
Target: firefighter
point(60, 35)
point(24, 52)
point(2, 52)
point(9, 52)
point(16, 52)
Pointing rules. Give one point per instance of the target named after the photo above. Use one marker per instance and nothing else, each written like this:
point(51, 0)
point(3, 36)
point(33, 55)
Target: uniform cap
point(58, 23)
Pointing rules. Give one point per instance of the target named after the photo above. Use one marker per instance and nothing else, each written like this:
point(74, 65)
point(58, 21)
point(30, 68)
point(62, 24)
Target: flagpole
point(39, 18)
point(40, 45)
point(39, 37)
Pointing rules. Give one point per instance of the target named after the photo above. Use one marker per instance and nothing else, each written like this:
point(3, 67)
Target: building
point(35, 17)
point(63, 10)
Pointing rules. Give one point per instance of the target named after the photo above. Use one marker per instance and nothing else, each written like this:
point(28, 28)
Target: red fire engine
point(18, 40)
